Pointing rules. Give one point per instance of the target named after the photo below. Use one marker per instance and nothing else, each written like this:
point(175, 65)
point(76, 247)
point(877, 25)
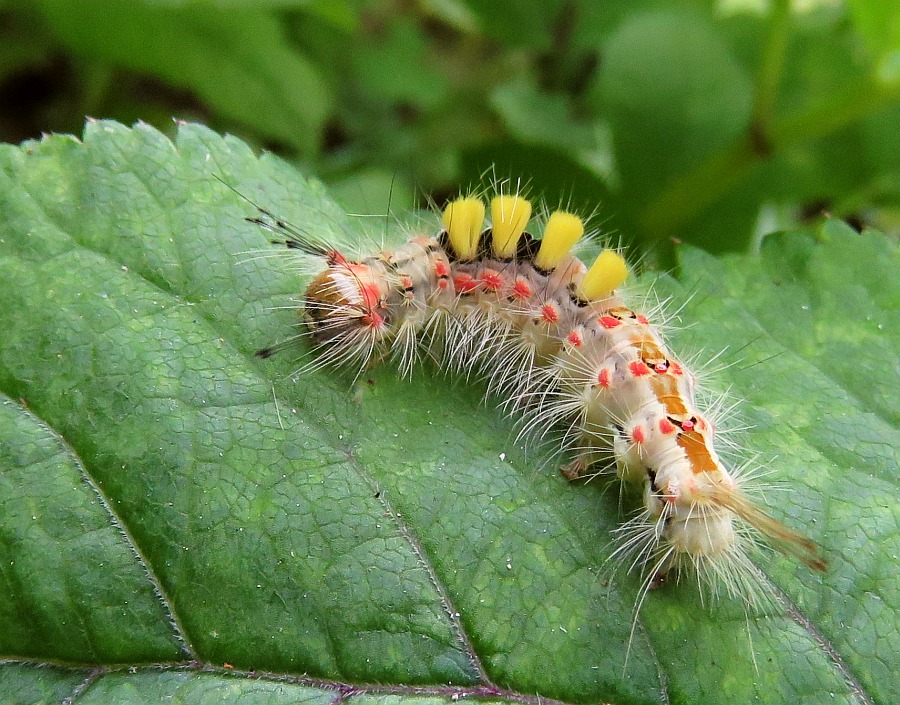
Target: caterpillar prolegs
point(556, 342)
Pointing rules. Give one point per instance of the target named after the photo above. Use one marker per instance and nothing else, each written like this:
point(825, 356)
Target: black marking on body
point(447, 247)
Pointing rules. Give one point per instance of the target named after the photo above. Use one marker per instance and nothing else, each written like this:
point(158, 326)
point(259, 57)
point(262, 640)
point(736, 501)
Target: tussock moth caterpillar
point(556, 342)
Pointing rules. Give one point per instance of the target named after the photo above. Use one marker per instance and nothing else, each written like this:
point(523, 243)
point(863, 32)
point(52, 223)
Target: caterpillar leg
point(587, 464)
point(660, 575)
point(577, 469)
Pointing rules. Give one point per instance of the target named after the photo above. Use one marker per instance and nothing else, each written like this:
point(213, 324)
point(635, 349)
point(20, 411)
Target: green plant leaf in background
point(238, 61)
point(713, 123)
point(179, 520)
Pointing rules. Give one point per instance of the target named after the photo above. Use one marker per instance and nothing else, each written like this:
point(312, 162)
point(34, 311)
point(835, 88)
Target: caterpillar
point(556, 342)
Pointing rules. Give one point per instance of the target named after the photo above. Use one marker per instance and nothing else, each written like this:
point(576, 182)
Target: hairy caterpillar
point(556, 342)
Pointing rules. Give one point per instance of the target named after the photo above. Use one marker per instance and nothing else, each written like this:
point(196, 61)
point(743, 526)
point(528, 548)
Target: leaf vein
point(128, 539)
point(425, 563)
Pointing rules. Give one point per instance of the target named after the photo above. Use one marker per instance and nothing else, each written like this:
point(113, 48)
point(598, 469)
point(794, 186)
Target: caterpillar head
point(343, 299)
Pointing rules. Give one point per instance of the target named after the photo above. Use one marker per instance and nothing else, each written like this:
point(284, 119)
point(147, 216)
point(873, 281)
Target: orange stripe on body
point(665, 388)
point(691, 440)
point(698, 455)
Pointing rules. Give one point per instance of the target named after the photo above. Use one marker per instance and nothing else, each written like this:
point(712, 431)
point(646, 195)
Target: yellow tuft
point(509, 217)
point(563, 230)
point(607, 273)
point(463, 219)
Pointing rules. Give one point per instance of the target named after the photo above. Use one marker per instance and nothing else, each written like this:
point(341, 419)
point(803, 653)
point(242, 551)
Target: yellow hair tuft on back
point(509, 218)
point(562, 232)
point(463, 219)
point(606, 274)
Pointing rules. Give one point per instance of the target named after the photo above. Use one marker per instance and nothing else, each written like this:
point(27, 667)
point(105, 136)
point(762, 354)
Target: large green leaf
point(239, 60)
point(182, 521)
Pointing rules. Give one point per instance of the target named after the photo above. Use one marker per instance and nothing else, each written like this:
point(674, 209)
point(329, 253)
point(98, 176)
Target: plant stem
point(854, 102)
point(771, 65)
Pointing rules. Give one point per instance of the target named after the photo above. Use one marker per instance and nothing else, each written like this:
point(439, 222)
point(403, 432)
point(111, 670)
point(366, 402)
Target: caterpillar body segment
point(556, 341)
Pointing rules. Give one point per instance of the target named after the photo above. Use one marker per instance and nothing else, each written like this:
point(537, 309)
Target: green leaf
point(674, 92)
point(536, 117)
point(183, 521)
point(238, 61)
point(396, 68)
point(701, 166)
point(879, 24)
point(52, 510)
point(518, 23)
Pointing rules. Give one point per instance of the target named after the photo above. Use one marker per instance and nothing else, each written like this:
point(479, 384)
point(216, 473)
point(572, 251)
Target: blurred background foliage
point(709, 121)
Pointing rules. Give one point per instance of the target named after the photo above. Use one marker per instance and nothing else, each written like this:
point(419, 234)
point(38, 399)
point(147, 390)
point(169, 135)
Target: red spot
point(642, 319)
point(370, 294)
point(492, 280)
point(521, 289)
point(406, 282)
point(609, 322)
point(675, 368)
point(660, 367)
point(638, 434)
point(441, 270)
point(549, 313)
point(442, 284)
point(666, 426)
point(373, 319)
point(574, 339)
point(639, 369)
point(464, 283)
point(603, 378)
point(687, 425)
